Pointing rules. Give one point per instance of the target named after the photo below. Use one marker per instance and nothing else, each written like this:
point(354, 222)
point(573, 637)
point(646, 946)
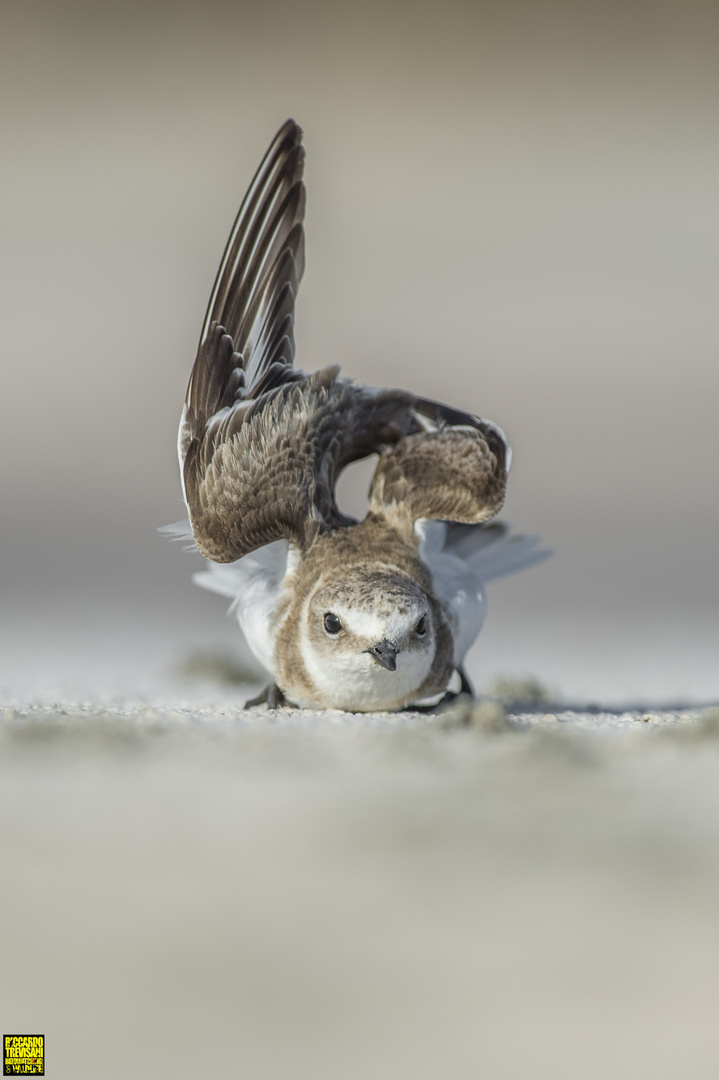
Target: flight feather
point(262, 443)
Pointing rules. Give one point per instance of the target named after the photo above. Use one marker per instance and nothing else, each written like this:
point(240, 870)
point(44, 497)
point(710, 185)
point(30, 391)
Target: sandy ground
point(524, 889)
point(503, 890)
point(511, 207)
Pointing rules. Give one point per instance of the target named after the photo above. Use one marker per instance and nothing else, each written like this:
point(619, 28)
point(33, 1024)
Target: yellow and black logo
point(23, 1055)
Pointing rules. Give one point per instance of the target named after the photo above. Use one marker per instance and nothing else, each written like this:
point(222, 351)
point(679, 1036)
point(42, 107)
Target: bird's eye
point(332, 623)
point(421, 627)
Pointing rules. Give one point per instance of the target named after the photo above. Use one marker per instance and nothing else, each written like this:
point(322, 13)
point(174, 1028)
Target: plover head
point(368, 639)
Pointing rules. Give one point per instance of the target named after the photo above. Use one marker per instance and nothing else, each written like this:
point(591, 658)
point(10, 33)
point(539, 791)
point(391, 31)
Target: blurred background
point(512, 207)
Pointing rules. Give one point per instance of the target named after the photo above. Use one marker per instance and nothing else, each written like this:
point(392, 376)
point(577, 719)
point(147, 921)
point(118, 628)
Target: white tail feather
point(180, 530)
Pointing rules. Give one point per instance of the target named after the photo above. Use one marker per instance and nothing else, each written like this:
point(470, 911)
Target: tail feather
point(255, 577)
point(466, 540)
point(180, 531)
point(493, 551)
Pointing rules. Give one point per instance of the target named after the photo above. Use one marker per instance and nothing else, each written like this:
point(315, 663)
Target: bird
point(360, 616)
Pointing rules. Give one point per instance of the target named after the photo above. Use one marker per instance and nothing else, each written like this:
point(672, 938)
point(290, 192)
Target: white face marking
point(370, 625)
point(346, 673)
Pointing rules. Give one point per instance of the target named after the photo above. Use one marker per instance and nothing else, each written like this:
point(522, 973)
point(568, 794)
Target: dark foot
point(271, 696)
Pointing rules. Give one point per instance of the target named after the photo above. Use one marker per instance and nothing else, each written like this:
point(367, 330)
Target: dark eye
point(421, 627)
point(332, 623)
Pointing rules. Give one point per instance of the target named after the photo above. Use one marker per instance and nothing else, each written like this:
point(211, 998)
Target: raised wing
point(455, 473)
point(261, 444)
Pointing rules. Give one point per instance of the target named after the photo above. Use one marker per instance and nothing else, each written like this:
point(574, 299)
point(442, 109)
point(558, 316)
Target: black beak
point(385, 653)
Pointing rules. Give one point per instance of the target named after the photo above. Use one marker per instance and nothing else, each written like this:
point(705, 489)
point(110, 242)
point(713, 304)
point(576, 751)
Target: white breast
point(356, 683)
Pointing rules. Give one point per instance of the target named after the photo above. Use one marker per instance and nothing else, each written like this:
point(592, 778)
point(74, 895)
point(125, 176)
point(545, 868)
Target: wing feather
point(261, 443)
point(458, 473)
point(249, 323)
point(260, 230)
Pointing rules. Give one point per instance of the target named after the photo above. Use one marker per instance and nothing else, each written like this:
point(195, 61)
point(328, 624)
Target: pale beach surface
point(512, 208)
point(502, 890)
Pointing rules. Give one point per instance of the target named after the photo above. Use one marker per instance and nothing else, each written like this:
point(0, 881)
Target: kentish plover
point(343, 614)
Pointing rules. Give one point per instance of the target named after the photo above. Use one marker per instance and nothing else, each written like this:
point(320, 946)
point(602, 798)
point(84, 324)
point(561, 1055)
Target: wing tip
point(292, 132)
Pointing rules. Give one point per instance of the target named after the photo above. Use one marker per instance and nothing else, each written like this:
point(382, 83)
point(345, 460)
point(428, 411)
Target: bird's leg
point(275, 697)
point(271, 696)
point(261, 699)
